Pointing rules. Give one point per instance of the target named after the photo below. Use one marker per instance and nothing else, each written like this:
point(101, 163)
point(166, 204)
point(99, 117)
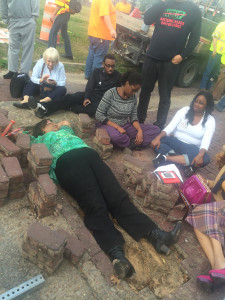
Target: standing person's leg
point(212, 62)
point(65, 36)
point(221, 105)
point(149, 132)
point(219, 88)
point(118, 139)
point(149, 78)
point(166, 81)
point(14, 47)
point(28, 37)
point(52, 41)
point(90, 59)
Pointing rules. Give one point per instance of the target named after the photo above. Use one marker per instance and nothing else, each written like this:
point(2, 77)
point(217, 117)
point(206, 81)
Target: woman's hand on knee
point(155, 143)
point(197, 161)
point(139, 137)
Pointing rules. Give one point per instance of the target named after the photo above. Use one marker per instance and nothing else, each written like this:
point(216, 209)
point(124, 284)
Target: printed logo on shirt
point(173, 18)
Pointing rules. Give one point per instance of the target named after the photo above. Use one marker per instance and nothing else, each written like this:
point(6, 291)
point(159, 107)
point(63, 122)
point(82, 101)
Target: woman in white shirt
point(187, 137)
point(48, 79)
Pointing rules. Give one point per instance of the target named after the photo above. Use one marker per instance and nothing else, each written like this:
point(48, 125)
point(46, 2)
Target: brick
point(37, 170)
point(47, 188)
point(134, 177)
point(134, 164)
point(4, 180)
point(36, 198)
point(41, 154)
point(84, 121)
point(74, 249)
point(102, 136)
point(4, 121)
point(88, 241)
point(8, 147)
point(16, 194)
point(144, 186)
point(139, 192)
point(176, 214)
point(83, 130)
point(12, 169)
point(23, 142)
point(44, 235)
point(103, 264)
point(150, 178)
point(102, 147)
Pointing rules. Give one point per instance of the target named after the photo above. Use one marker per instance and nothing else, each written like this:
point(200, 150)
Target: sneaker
point(9, 75)
point(188, 171)
point(41, 112)
point(159, 160)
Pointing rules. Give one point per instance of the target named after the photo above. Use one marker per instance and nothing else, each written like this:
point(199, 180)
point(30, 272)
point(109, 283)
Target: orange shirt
point(64, 4)
point(125, 8)
point(97, 27)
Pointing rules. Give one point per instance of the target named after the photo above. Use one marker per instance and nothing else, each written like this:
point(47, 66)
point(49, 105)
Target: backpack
point(17, 84)
point(74, 6)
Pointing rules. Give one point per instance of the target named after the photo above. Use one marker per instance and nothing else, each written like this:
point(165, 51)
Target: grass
point(77, 29)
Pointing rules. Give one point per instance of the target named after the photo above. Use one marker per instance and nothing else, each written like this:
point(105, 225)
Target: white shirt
point(57, 73)
point(197, 135)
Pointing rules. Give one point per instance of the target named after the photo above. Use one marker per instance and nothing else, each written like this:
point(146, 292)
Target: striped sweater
point(116, 109)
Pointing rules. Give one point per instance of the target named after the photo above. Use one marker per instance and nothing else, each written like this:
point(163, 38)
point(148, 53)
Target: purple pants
point(123, 140)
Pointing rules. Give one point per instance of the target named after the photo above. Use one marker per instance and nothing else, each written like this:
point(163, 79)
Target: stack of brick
point(84, 126)
point(44, 247)
point(23, 142)
point(8, 148)
point(102, 143)
point(39, 159)
point(4, 186)
point(151, 193)
point(42, 195)
point(14, 172)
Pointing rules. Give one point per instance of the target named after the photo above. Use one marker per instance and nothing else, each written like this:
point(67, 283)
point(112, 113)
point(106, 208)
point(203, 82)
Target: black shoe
point(9, 75)
point(67, 56)
point(159, 160)
point(188, 171)
point(32, 103)
point(121, 264)
point(21, 105)
point(40, 113)
point(161, 239)
point(133, 146)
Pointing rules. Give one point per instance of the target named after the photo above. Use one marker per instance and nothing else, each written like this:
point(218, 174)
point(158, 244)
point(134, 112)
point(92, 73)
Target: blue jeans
point(211, 71)
point(221, 105)
point(170, 144)
point(97, 51)
point(60, 22)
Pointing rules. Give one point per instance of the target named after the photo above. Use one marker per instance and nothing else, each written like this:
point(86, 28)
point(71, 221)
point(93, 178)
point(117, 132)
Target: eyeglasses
point(200, 102)
point(110, 66)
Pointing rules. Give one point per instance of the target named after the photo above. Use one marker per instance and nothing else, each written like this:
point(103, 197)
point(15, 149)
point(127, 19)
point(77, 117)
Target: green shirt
point(58, 143)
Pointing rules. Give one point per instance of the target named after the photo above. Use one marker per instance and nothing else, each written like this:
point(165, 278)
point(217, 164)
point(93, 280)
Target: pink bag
point(195, 191)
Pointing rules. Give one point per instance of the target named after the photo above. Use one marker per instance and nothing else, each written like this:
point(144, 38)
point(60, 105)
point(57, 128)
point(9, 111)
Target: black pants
point(83, 174)
point(165, 73)
point(73, 102)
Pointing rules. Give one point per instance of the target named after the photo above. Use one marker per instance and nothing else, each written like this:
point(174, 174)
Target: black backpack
point(75, 6)
point(17, 84)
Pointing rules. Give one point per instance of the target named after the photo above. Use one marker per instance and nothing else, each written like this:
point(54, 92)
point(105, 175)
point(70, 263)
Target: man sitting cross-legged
point(101, 80)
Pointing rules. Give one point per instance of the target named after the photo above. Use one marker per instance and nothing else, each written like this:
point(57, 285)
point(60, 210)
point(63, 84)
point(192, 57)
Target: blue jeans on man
point(221, 105)
point(211, 71)
point(60, 22)
point(171, 145)
point(97, 51)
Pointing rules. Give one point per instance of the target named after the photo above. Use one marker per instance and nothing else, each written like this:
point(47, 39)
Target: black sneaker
point(188, 171)
point(9, 75)
point(40, 113)
point(159, 160)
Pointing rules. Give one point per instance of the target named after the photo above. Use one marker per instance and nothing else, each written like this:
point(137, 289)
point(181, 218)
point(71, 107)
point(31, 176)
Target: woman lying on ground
point(117, 113)
point(83, 174)
point(208, 221)
point(48, 79)
point(186, 139)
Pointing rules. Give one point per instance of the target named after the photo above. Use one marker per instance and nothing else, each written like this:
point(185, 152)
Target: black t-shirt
point(99, 83)
point(174, 22)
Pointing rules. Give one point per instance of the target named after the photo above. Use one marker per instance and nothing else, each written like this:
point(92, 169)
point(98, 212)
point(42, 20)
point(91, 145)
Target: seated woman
point(117, 113)
point(48, 79)
point(187, 137)
point(83, 174)
point(208, 221)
